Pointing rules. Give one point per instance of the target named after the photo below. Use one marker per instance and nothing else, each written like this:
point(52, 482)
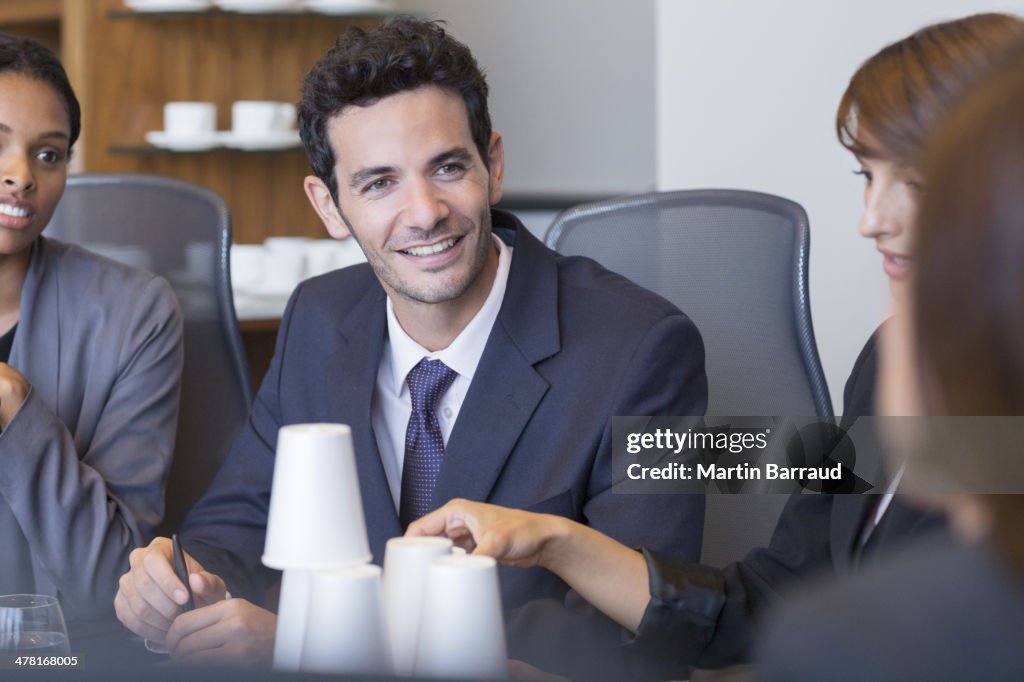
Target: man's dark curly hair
point(29, 58)
point(366, 66)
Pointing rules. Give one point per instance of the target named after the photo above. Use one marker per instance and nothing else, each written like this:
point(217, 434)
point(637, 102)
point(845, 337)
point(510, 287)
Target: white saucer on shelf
point(341, 7)
point(260, 6)
point(180, 143)
point(168, 5)
point(277, 139)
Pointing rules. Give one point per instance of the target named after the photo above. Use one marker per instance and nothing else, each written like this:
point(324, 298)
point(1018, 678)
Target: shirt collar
point(464, 353)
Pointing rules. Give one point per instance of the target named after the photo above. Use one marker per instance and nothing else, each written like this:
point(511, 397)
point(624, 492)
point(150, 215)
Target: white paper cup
point(462, 634)
point(316, 512)
point(406, 562)
point(292, 609)
point(258, 117)
point(246, 266)
point(345, 625)
point(190, 119)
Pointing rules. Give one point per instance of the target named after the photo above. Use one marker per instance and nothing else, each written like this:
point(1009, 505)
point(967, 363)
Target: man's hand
point(232, 631)
point(14, 389)
point(150, 596)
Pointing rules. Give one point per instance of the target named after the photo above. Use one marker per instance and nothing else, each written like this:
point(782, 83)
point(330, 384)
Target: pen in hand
point(181, 570)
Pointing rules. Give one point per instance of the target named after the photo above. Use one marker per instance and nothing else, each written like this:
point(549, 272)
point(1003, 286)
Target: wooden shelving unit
point(125, 65)
point(38, 19)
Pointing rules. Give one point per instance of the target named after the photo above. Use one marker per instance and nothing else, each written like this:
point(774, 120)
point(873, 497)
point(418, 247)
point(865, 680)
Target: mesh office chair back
point(736, 263)
point(183, 233)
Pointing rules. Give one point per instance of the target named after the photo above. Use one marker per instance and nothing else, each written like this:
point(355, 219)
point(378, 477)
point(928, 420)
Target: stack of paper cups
point(315, 522)
point(462, 634)
point(345, 627)
point(406, 564)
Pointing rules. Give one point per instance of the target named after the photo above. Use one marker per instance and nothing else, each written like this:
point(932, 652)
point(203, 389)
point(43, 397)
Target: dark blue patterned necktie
point(424, 447)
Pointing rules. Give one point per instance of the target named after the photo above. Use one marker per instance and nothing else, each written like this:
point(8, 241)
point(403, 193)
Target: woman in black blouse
point(696, 615)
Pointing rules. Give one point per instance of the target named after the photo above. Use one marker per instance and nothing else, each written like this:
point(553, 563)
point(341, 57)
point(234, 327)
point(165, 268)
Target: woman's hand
point(14, 389)
point(609, 575)
point(511, 536)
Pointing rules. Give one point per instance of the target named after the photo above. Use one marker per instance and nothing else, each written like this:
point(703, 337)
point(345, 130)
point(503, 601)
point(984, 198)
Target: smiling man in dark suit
point(469, 360)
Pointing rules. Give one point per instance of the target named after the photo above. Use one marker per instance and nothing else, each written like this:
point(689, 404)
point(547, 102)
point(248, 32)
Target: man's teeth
point(899, 260)
point(13, 211)
point(432, 249)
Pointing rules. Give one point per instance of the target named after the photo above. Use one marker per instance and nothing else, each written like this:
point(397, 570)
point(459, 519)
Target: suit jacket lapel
point(36, 350)
point(351, 375)
point(506, 388)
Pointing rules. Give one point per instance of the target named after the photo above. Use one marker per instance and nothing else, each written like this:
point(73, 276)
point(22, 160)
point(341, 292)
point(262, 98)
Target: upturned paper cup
point(345, 626)
point(462, 633)
point(292, 608)
point(316, 513)
point(406, 562)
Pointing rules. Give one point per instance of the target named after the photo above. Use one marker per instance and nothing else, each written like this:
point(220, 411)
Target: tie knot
point(427, 381)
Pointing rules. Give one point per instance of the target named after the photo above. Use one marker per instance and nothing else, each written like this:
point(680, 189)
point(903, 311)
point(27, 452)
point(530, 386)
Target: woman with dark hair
point(955, 611)
point(89, 377)
point(693, 615)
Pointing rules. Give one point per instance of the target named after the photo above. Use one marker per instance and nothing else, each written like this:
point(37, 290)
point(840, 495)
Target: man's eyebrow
point(365, 174)
point(454, 154)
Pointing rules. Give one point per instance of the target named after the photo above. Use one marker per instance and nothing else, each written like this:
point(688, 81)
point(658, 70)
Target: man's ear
point(496, 166)
point(323, 203)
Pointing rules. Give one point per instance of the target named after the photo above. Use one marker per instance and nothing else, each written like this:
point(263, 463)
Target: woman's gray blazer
point(84, 462)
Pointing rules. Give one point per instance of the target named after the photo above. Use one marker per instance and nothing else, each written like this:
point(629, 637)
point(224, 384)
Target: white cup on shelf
point(247, 266)
point(284, 263)
point(190, 119)
point(251, 118)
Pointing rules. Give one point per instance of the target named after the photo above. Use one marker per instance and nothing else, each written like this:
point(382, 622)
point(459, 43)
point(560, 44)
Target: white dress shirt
point(392, 405)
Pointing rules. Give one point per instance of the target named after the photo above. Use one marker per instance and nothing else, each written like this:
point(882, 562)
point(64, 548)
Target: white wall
point(746, 98)
point(572, 89)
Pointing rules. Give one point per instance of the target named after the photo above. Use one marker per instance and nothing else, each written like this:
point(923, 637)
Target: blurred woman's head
point(963, 341)
point(891, 104)
point(39, 121)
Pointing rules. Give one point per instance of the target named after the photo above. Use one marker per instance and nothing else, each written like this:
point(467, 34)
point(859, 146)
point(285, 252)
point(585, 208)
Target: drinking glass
point(32, 625)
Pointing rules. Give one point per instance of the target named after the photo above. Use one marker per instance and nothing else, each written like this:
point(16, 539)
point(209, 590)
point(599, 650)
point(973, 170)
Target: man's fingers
point(134, 623)
point(235, 629)
point(139, 584)
point(194, 621)
point(207, 588)
point(159, 569)
point(140, 609)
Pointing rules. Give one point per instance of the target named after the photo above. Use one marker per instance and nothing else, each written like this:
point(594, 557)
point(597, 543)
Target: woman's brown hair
point(896, 97)
point(968, 282)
